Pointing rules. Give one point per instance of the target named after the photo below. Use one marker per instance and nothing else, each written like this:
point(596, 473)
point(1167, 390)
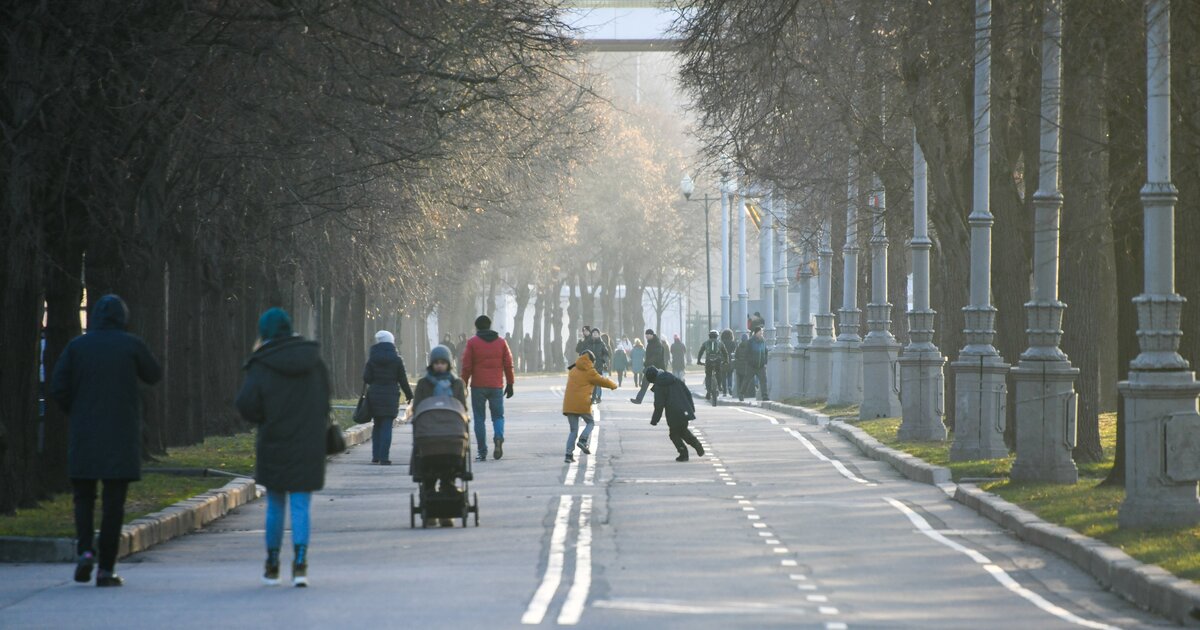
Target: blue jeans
point(381, 439)
point(573, 420)
point(300, 522)
point(483, 399)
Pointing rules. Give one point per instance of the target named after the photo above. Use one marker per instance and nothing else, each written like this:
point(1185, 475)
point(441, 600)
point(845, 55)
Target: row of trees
point(793, 91)
point(345, 160)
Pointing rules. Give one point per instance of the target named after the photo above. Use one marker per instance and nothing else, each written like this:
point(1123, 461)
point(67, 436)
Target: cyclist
point(718, 357)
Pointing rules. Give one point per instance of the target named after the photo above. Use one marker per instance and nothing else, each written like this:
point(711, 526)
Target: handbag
point(335, 442)
point(362, 413)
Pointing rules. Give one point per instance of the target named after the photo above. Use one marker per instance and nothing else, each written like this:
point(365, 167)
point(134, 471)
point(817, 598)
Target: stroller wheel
point(475, 507)
point(412, 512)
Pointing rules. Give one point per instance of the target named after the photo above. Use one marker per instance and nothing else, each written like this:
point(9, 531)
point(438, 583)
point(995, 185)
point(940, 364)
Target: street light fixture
point(687, 187)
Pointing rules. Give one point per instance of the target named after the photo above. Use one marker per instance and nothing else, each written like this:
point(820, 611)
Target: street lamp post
point(687, 187)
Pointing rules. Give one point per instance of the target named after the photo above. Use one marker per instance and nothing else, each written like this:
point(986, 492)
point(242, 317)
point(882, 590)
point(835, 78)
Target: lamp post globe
point(687, 187)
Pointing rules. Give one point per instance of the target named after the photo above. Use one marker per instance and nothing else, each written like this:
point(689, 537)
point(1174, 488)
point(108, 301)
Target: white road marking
point(806, 587)
point(589, 470)
point(1000, 575)
point(841, 468)
point(760, 415)
point(572, 472)
point(787, 563)
point(666, 481)
point(572, 608)
point(800, 577)
point(759, 524)
point(536, 611)
point(688, 608)
point(753, 517)
point(827, 610)
point(836, 625)
point(781, 550)
point(772, 541)
point(821, 599)
point(730, 483)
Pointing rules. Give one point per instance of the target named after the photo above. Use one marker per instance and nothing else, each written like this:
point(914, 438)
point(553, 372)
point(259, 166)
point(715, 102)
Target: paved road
point(780, 525)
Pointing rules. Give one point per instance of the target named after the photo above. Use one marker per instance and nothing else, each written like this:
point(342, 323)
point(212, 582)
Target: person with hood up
point(730, 344)
point(95, 381)
point(637, 362)
point(679, 357)
point(741, 367)
point(656, 357)
point(385, 378)
point(673, 399)
point(487, 368)
point(756, 364)
point(449, 343)
point(439, 380)
point(582, 377)
point(286, 393)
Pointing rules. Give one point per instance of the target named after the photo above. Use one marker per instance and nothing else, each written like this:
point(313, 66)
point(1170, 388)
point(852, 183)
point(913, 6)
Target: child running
point(672, 397)
point(577, 401)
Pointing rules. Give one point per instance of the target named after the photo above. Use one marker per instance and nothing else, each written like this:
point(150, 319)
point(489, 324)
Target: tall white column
point(845, 377)
point(922, 388)
point(726, 204)
point(1045, 380)
point(743, 288)
point(1162, 425)
point(804, 327)
point(783, 326)
point(766, 268)
point(820, 350)
point(980, 372)
point(880, 348)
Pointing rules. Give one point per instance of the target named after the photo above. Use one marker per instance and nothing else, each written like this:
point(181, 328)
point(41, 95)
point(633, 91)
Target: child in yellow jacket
point(577, 401)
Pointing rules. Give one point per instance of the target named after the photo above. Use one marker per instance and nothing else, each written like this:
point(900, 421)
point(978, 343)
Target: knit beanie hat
point(440, 353)
point(483, 322)
point(275, 322)
point(649, 331)
point(384, 336)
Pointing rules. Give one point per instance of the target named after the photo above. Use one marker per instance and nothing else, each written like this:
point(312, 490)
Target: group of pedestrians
point(723, 359)
point(286, 393)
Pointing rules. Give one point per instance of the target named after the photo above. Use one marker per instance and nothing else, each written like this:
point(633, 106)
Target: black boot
point(498, 452)
point(271, 568)
point(300, 566)
point(683, 456)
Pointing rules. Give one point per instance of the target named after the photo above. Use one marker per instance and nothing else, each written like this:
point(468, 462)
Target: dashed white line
point(536, 611)
point(589, 470)
point(1000, 575)
point(572, 608)
point(841, 468)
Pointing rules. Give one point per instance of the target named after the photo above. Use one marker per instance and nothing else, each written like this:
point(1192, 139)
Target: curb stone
point(173, 521)
point(1148, 586)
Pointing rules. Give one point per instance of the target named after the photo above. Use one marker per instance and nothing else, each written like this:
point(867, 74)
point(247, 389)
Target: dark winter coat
point(678, 355)
point(96, 383)
point(715, 351)
point(741, 355)
point(656, 354)
point(620, 360)
point(599, 351)
point(425, 390)
point(672, 397)
point(385, 378)
point(286, 393)
point(756, 353)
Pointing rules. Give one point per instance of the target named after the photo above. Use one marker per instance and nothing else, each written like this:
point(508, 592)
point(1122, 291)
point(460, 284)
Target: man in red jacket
point(487, 368)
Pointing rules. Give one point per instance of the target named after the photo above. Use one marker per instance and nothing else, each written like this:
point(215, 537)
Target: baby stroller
point(441, 456)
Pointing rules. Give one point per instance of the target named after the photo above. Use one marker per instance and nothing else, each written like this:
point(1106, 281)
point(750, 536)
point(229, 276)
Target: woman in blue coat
point(385, 378)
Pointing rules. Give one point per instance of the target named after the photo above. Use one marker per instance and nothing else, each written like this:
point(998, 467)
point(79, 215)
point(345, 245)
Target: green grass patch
point(819, 405)
point(55, 517)
point(229, 453)
point(1086, 507)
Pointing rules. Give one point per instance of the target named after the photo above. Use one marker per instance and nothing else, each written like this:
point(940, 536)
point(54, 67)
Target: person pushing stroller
point(672, 398)
point(437, 472)
point(578, 400)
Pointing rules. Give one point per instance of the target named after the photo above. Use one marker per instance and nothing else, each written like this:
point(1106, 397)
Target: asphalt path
point(780, 524)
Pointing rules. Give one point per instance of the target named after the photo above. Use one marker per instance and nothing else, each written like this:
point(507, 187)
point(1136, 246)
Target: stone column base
point(845, 373)
point(1162, 450)
point(980, 405)
point(880, 376)
point(1045, 422)
point(817, 371)
point(923, 393)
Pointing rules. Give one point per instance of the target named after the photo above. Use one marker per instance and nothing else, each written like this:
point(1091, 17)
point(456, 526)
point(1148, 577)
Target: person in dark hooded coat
point(95, 381)
point(385, 378)
point(673, 399)
point(286, 393)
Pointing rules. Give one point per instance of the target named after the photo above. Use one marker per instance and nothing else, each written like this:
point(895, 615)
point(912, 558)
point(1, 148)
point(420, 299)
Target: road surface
point(780, 525)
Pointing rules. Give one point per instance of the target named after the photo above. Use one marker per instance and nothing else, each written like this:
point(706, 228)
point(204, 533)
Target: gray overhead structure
point(622, 26)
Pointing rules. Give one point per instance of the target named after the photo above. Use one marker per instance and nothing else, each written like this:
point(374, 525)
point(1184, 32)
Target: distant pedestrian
point(730, 344)
point(741, 367)
point(95, 381)
point(656, 357)
point(755, 321)
point(449, 343)
point(679, 357)
point(439, 380)
point(487, 368)
point(756, 364)
point(600, 354)
point(385, 378)
point(637, 362)
point(620, 363)
point(582, 377)
point(286, 393)
point(673, 399)
point(530, 349)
